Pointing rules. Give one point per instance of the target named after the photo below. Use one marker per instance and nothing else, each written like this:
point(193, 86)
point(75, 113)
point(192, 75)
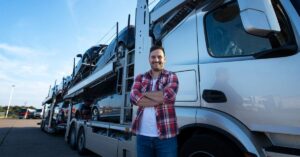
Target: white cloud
point(33, 93)
point(31, 70)
point(23, 68)
point(17, 50)
point(3, 77)
point(71, 6)
point(34, 69)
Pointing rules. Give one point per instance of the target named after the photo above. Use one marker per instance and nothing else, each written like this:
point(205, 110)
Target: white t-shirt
point(148, 122)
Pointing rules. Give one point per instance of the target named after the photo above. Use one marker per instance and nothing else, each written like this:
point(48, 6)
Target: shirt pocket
point(145, 85)
point(162, 83)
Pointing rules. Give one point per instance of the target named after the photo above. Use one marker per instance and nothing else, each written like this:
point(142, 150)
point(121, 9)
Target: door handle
point(214, 96)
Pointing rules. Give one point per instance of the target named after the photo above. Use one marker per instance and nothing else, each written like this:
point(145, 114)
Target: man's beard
point(156, 69)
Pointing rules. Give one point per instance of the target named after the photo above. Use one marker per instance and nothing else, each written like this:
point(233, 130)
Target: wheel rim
point(201, 154)
point(95, 114)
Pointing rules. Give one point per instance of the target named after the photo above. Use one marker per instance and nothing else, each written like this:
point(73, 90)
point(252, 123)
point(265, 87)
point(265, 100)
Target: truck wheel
point(81, 142)
point(95, 114)
point(62, 117)
point(208, 146)
point(72, 137)
point(42, 127)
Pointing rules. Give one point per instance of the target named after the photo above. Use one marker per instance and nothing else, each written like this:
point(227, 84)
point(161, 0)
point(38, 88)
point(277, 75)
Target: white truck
point(238, 67)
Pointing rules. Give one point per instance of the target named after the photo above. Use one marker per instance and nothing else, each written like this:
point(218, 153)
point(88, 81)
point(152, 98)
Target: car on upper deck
point(124, 41)
point(86, 63)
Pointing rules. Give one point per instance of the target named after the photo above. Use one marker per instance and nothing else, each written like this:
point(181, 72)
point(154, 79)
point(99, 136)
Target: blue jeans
point(155, 147)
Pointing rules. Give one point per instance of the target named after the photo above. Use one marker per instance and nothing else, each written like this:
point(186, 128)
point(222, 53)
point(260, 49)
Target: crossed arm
point(150, 99)
point(165, 96)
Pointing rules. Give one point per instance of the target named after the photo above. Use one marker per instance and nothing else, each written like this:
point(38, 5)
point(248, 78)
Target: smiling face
point(157, 60)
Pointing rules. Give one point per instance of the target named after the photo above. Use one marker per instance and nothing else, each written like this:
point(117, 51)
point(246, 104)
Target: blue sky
point(40, 38)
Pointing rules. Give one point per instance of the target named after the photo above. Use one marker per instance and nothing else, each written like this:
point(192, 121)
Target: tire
point(42, 127)
point(95, 114)
point(208, 146)
point(72, 137)
point(62, 117)
point(81, 142)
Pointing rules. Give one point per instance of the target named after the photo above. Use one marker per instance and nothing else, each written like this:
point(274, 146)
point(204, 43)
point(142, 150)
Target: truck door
point(181, 52)
point(254, 79)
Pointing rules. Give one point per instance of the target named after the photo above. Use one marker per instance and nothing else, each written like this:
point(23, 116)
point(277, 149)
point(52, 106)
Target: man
point(154, 92)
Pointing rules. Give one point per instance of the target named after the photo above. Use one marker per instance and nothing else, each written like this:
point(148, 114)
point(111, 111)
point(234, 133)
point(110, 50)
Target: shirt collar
point(149, 73)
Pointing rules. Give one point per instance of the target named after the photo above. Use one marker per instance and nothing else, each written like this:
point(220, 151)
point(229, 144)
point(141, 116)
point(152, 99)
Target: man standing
point(154, 92)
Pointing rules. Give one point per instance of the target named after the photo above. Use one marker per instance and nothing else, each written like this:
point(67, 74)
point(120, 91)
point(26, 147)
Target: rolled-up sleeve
point(171, 89)
point(135, 94)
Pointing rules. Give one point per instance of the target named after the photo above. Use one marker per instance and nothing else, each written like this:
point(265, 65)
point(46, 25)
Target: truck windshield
point(159, 4)
point(227, 37)
point(296, 4)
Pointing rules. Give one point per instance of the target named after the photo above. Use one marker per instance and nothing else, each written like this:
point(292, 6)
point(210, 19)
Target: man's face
point(157, 60)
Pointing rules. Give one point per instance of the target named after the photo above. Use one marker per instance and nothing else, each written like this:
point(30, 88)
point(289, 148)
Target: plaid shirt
point(165, 113)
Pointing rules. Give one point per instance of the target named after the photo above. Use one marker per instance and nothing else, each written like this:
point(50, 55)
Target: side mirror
point(258, 17)
point(79, 55)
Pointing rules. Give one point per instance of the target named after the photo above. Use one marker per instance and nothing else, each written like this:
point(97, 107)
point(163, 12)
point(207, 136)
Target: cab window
point(226, 36)
point(296, 4)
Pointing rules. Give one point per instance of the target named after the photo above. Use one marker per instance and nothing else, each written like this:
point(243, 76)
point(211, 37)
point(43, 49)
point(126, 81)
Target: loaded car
point(107, 108)
point(82, 110)
point(66, 82)
point(60, 113)
point(86, 63)
point(117, 47)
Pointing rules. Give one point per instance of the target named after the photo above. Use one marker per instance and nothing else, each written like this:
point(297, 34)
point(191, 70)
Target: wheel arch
point(121, 42)
point(227, 128)
point(77, 114)
point(125, 43)
point(186, 132)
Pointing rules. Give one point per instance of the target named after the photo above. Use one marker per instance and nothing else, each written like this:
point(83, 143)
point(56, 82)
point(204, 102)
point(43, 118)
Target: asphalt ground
point(23, 138)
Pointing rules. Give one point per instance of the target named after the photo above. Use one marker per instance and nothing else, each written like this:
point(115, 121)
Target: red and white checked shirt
point(165, 113)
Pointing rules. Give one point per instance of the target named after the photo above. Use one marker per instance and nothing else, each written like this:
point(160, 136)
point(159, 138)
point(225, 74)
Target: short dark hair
point(156, 47)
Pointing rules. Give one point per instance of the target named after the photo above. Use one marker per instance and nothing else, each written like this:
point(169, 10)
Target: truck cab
point(237, 67)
